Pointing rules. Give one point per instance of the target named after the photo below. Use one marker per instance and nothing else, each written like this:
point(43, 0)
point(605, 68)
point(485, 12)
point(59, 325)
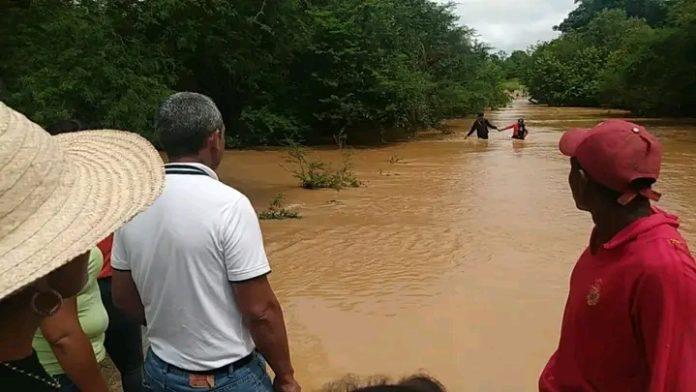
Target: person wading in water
point(519, 129)
point(481, 125)
point(630, 318)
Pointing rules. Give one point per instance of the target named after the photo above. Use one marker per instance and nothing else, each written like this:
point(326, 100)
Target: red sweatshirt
point(105, 246)
point(630, 319)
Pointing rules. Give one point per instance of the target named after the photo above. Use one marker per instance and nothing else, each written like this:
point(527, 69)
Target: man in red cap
point(630, 318)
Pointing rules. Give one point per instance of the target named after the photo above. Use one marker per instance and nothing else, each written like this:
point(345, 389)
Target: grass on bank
point(277, 211)
point(314, 174)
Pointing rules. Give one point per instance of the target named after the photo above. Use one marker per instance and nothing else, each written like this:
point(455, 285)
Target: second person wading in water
point(519, 129)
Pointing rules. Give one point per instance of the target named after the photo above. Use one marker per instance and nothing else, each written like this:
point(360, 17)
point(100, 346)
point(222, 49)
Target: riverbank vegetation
point(283, 69)
point(631, 54)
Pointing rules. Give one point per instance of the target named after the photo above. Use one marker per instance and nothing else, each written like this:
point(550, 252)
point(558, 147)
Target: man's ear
point(591, 190)
point(221, 139)
point(583, 177)
point(215, 140)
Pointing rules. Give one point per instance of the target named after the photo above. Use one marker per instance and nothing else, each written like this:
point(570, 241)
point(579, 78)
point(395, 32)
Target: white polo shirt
point(183, 252)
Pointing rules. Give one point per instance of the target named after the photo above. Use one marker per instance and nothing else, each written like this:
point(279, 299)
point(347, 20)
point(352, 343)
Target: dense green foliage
point(653, 11)
point(282, 69)
point(513, 65)
point(646, 64)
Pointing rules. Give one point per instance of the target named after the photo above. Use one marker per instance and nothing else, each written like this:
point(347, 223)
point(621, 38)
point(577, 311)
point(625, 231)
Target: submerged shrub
point(314, 174)
point(276, 210)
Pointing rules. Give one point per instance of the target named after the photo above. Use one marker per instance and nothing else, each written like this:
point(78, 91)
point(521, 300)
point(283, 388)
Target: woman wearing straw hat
point(108, 329)
point(58, 197)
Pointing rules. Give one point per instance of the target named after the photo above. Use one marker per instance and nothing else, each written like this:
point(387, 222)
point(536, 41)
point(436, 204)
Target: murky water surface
point(454, 260)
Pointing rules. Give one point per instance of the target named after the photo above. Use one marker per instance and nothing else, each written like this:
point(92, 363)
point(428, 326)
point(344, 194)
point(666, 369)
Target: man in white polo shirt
point(193, 269)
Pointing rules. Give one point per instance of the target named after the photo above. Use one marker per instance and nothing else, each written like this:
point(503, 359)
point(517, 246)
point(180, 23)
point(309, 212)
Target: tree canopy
point(621, 59)
point(653, 11)
point(285, 69)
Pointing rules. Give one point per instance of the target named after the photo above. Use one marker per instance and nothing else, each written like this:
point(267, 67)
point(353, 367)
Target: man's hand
point(286, 384)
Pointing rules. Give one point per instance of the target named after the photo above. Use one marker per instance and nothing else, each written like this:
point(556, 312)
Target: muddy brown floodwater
point(454, 260)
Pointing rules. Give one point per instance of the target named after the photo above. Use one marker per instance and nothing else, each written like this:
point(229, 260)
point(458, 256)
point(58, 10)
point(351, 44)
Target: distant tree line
point(282, 69)
point(634, 54)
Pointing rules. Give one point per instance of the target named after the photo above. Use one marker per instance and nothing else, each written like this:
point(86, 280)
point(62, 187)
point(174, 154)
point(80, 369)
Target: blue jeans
point(159, 376)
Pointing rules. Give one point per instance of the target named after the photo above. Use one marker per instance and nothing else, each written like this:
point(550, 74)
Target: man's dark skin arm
point(490, 125)
point(264, 317)
point(473, 128)
point(126, 296)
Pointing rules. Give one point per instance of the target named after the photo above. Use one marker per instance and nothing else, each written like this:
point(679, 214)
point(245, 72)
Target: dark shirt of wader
point(481, 126)
point(25, 375)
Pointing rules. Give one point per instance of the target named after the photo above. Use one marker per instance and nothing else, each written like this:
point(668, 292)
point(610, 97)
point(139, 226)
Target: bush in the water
point(276, 211)
point(315, 174)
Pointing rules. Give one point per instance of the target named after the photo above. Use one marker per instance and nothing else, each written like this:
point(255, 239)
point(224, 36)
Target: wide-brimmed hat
point(60, 195)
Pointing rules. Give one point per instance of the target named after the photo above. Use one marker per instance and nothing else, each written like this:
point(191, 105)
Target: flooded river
point(454, 260)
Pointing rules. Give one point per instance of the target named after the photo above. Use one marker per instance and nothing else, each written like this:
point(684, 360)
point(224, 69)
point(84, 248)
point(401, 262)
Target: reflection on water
point(455, 260)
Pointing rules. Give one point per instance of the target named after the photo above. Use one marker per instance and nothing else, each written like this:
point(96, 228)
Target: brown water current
point(454, 260)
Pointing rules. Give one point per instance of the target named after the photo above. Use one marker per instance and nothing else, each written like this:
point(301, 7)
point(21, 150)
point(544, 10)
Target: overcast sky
point(512, 24)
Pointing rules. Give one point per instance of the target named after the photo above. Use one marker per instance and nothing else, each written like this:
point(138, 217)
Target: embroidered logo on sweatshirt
point(595, 293)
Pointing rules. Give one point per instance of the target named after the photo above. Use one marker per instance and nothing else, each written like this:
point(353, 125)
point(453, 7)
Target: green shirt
point(91, 313)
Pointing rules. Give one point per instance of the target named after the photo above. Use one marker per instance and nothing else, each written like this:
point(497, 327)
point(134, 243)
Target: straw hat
point(60, 195)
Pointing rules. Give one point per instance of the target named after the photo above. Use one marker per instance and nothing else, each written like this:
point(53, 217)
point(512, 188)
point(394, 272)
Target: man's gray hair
point(184, 121)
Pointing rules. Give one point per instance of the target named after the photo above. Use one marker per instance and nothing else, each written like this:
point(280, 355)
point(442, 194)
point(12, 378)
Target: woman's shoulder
point(96, 261)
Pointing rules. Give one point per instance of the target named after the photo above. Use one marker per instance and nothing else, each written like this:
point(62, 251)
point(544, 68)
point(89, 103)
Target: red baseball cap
point(615, 153)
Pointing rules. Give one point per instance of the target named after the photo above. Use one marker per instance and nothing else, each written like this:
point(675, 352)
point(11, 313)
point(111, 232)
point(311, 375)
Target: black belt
point(236, 365)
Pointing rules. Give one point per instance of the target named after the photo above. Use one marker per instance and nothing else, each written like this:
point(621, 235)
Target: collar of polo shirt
point(210, 172)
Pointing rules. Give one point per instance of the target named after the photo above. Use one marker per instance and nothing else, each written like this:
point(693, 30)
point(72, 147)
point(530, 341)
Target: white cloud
point(512, 24)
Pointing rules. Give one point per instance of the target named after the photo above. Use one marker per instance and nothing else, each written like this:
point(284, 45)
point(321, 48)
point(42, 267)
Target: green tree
point(277, 69)
point(66, 60)
point(565, 73)
point(655, 72)
point(515, 65)
point(653, 11)
point(632, 65)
